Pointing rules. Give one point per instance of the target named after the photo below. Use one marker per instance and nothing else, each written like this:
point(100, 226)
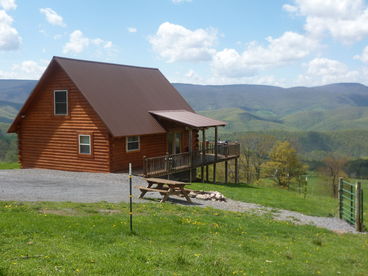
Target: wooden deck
point(169, 164)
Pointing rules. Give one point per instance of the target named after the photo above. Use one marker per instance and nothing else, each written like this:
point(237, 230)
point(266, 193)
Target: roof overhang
point(187, 118)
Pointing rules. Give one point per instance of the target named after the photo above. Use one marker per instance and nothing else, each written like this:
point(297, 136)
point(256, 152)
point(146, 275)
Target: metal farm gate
point(351, 203)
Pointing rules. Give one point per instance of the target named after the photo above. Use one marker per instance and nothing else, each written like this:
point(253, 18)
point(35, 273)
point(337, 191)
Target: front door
point(174, 142)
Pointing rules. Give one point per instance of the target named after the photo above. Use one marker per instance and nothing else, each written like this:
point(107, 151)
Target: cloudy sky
point(278, 42)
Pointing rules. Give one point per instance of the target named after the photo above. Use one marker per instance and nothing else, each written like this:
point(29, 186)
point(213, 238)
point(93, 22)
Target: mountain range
point(340, 106)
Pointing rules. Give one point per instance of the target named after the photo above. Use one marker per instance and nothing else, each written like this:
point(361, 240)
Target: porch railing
point(227, 148)
point(169, 164)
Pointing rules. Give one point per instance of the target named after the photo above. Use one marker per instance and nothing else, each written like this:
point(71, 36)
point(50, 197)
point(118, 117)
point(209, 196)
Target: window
point(61, 102)
point(132, 143)
point(84, 144)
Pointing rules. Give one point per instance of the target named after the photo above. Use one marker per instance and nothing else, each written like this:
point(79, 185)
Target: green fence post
point(352, 213)
point(358, 205)
point(340, 197)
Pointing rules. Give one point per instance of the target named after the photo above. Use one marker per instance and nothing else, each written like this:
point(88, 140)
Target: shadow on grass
point(174, 201)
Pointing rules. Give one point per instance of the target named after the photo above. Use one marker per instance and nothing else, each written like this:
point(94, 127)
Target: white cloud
point(180, 1)
point(9, 37)
point(177, 43)
point(8, 4)
point(78, 43)
point(107, 44)
point(341, 9)
point(132, 29)
point(363, 56)
point(290, 8)
point(193, 77)
point(28, 69)
point(324, 71)
point(345, 20)
point(282, 50)
point(52, 17)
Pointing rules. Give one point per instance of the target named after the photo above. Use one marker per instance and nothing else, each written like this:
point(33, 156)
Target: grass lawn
point(313, 204)
point(93, 239)
point(275, 197)
point(7, 166)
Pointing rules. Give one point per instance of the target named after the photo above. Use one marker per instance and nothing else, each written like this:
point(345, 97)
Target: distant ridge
point(249, 107)
point(15, 90)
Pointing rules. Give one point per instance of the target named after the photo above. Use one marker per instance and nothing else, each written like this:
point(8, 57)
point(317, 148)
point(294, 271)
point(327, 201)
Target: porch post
point(203, 153)
point(226, 171)
point(190, 138)
point(214, 164)
point(236, 171)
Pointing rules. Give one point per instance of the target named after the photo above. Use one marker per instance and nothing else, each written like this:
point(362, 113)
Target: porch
point(199, 153)
point(208, 153)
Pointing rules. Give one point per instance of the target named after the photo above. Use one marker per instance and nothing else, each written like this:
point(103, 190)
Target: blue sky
point(278, 42)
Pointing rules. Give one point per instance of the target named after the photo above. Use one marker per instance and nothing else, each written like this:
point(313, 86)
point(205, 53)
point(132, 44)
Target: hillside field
point(94, 239)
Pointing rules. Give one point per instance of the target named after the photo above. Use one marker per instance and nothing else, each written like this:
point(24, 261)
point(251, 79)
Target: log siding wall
point(150, 146)
point(51, 141)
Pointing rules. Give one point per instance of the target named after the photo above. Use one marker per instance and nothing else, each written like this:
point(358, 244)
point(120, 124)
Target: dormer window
point(61, 102)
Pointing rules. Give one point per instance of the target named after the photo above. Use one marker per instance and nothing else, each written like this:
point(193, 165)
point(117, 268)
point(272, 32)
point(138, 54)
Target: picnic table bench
point(166, 188)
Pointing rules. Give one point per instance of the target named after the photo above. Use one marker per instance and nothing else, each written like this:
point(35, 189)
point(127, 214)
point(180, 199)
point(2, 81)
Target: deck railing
point(227, 148)
point(169, 164)
point(166, 164)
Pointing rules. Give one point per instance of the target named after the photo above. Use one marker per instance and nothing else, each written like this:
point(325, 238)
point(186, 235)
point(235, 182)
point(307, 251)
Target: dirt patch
point(61, 212)
point(108, 211)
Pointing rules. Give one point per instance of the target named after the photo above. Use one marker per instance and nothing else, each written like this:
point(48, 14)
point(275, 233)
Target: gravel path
point(50, 185)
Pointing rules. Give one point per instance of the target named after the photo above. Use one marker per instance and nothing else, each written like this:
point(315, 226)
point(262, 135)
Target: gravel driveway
point(51, 185)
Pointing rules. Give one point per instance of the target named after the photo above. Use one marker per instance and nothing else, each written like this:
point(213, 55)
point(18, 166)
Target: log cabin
point(99, 117)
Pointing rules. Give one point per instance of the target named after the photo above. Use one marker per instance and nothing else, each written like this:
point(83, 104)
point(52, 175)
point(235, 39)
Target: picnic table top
point(165, 181)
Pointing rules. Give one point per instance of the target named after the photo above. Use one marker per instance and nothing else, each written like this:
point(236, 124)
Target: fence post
point(352, 213)
point(340, 197)
point(305, 187)
point(358, 206)
point(144, 166)
point(130, 199)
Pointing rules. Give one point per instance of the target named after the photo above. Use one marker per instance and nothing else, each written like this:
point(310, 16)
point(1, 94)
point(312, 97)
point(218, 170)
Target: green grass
point(275, 197)
point(318, 201)
point(70, 239)
point(8, 166)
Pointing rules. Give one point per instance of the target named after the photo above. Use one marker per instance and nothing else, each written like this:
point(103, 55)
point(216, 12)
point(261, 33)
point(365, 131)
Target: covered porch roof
point(187, 118)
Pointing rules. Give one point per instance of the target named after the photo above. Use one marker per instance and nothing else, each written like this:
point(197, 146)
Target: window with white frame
point(84, 144)
point(61, 102)
point(132, 143)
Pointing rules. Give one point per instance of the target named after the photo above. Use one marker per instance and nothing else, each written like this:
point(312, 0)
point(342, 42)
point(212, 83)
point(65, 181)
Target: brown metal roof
point(123, 95)
point(188, 118)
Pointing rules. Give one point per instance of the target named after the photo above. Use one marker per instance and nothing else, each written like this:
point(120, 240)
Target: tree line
point(264, 156)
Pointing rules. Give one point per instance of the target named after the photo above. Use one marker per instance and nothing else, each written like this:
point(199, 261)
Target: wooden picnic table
point(166, 188)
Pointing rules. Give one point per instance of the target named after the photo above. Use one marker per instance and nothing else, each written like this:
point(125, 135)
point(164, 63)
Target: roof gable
point(121, 95)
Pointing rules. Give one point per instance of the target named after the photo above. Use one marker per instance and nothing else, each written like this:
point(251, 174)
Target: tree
point(334, 168)
point(254, 152)
point(284, 164)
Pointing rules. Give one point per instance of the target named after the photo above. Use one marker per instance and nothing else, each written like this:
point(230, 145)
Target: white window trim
point(126, 144)
point(67, 103)
point(84, 144)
